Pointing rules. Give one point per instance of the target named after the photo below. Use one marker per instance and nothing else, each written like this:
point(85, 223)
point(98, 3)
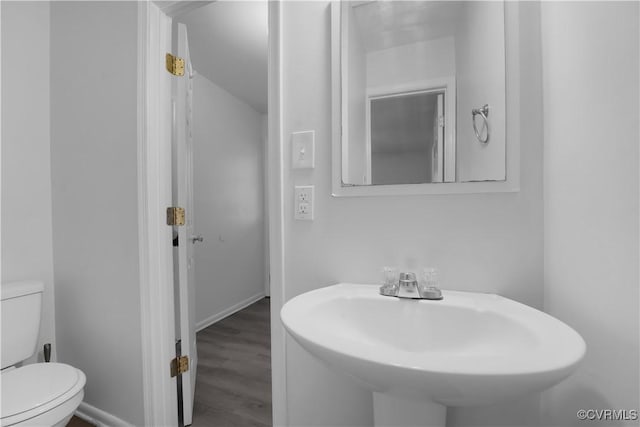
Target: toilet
point(40, 394)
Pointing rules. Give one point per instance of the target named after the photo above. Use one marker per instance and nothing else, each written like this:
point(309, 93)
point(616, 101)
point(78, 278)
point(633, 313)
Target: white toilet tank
point(21, 309)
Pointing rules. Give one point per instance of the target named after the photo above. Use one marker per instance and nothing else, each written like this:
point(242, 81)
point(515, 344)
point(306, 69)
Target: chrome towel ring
point(484, 113)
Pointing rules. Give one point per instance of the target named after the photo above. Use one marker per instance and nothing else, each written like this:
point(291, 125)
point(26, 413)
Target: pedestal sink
point(419, 356)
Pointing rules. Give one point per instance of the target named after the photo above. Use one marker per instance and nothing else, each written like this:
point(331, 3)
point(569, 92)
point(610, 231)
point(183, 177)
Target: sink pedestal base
point(398, 412)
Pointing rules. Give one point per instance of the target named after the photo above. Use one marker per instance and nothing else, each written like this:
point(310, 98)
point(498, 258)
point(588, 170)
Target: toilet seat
point(35, 389)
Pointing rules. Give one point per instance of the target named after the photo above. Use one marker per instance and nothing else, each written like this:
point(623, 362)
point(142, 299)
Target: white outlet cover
point(302, 149)
point(303, 202)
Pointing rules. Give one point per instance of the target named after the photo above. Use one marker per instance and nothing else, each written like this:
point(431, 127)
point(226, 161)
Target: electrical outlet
point(303, 208)
point(303, 196)
point(303, 202)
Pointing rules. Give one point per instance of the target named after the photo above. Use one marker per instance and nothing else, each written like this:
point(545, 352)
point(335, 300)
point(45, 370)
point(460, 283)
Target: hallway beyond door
point(233, 384)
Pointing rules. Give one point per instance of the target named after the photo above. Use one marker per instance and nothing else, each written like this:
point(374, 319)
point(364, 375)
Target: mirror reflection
point(406, 138)
point(423, 92)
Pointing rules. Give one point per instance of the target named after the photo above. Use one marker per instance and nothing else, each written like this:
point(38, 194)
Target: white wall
point(357, 93)
point(228, 201)
point(236, 31)
point(480, 53)
point(483, 242)
point(410, 63)
point(27, 251)
point(591, 100)
point(95, 219)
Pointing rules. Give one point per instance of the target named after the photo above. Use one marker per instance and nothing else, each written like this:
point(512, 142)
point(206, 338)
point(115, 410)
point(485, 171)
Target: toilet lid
point(30, 386)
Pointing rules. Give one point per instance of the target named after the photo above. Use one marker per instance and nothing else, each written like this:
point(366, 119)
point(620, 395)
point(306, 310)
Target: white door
point(183, 123)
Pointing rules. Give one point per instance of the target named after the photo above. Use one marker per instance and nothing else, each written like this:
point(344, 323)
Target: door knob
point(197, 238)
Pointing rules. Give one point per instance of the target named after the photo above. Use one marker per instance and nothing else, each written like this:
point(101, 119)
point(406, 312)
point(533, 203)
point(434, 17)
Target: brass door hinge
point(175, 216)
point(175, 65)
point(179, 365)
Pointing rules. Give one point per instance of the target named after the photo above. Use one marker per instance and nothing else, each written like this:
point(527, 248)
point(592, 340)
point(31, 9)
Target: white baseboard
point(98, 417)
point(228, 312)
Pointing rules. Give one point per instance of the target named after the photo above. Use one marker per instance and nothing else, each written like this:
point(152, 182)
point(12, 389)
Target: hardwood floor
point(78, 422)
point(233, 383)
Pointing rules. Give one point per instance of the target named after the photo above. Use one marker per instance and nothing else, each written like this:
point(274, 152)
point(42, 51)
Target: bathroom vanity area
point(504, 231)
point(418, 356)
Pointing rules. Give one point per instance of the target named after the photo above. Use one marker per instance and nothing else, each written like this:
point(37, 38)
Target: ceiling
point(386, 24)
point(228, 45)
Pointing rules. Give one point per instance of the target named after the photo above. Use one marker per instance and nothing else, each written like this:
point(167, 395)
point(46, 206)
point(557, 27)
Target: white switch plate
point(302, 149)
point(303, 203)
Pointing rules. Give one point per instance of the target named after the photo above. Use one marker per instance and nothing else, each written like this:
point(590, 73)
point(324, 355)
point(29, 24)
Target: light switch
point(303, 204)
point(302, 149)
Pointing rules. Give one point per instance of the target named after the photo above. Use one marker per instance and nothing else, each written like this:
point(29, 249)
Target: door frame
point(154, 196)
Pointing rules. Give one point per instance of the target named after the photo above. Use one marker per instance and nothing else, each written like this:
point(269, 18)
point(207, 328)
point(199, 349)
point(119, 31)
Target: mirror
point(422, 92)
point(405, 145)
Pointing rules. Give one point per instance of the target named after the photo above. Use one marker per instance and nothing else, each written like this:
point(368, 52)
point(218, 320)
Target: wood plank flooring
point(78, 422)
point(233, 383)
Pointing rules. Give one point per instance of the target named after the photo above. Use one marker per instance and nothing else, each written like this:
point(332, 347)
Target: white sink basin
point(467, 349)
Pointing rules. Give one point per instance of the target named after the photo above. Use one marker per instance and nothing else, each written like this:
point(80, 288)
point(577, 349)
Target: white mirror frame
point(511, 184)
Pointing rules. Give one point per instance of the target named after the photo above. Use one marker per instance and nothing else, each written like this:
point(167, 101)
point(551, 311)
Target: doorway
point(220, 255)
point(155, 194)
